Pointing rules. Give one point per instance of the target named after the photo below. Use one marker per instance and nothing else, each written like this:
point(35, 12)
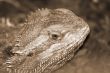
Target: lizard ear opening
point(7, 51)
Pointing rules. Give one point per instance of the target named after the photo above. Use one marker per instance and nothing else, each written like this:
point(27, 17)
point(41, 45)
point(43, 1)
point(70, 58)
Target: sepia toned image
point(54, 36)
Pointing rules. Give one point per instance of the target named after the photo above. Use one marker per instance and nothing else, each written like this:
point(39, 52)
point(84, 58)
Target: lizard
point(47, 41)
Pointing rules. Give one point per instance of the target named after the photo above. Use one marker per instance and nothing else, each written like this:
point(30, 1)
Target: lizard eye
point(54, 36)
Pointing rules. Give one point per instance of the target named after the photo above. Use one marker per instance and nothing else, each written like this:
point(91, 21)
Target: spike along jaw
point(54, 46)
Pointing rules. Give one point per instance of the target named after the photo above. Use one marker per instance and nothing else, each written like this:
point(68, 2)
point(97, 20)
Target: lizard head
point(50, 41)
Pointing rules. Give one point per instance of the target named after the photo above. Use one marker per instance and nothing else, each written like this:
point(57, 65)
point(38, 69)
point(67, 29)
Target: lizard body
point(47, 41)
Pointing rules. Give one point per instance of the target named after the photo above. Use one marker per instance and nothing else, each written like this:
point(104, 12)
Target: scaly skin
point(47, 41)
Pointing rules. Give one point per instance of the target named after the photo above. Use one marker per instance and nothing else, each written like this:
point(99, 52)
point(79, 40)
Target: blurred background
point(93, 56)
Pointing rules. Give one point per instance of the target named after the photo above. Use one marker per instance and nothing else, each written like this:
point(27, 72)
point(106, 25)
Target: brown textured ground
point(94, 56)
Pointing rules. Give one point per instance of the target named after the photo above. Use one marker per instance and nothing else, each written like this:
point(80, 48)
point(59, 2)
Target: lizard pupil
point(54, 36)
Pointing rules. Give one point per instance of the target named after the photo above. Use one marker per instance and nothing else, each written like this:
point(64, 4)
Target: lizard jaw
point(67, 42)
point(33, 45)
